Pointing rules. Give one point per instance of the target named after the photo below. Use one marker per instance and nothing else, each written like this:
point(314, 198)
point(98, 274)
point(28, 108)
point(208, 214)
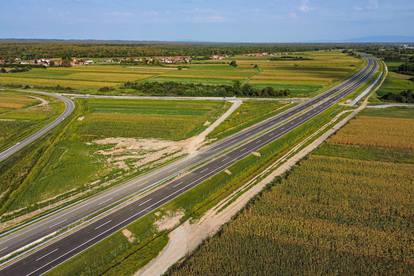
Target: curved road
point(69, 107)
point(242, 144)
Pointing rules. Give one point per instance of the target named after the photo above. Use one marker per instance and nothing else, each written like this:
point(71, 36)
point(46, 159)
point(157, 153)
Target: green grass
point(395, 83)
point(70, 158)
point(104, 257)
point(393, 65)
point(344, 210)
point(21, 116)
point(392, 112)
point(249, 113)
point(170, 120)
point(368, 153)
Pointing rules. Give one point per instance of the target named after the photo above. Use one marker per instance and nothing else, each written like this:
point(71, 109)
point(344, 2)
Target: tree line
point(406, 96)
point(10, 49)
point(171, 88)
point(406, 68)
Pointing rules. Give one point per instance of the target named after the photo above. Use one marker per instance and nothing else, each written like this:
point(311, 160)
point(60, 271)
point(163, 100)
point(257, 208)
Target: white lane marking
point(204, 170)
point(105, 223)
point(178, 184)
point(258, 141)
point(4, 248)
point(57, 223)
point(225, 158)
point(105, 201)
point(64, 214)
point(146, 201)
point(100, 234)
point(47, 254)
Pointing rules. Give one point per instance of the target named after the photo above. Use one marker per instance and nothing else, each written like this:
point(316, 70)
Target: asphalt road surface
point(241, 144)
point(69, 107)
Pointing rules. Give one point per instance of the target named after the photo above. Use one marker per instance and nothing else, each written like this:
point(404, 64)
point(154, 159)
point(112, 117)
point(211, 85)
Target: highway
point(69, 107)
point(240, 144)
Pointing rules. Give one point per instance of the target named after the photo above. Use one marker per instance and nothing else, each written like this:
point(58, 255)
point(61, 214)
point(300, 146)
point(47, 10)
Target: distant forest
point(27, 49)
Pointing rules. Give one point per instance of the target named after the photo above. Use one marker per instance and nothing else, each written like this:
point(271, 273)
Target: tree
point(66, 60)
point(3, 70)
point(233, 63)
point(236, 87)
point(247, 90)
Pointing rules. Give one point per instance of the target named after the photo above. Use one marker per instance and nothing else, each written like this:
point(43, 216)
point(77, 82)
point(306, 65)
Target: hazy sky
point(206, 20)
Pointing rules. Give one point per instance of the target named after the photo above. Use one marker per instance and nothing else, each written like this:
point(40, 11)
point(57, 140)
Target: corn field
point(378, 131)
point(331, 215)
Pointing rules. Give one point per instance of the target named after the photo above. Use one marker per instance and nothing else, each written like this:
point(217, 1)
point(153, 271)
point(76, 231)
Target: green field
point(302, 78)
point(73, 157)
point(345, 210)
point(249, 113)
point(116, 256)
point(22, 114)
point(395, 82)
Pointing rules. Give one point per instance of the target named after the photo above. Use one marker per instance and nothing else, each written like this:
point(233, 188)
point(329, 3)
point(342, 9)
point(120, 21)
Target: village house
point(42, 61)
point(56, 62)
point(218, 57)
point(78, 62)
point(258, 54)
point(175, 59)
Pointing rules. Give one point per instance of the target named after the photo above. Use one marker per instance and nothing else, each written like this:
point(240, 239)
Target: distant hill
point(385, 38)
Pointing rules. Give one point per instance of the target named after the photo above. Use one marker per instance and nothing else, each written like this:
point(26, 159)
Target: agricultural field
point(395, 83)
point(303, 78)
point(249, 113)
point(22, 114)
point(346, 209)
point(317, 70)
point(104, 142)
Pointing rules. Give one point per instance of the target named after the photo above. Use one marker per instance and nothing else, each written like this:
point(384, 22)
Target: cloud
point(371, 5)
point(198, 15)
point(293, 15)
point(304, 6)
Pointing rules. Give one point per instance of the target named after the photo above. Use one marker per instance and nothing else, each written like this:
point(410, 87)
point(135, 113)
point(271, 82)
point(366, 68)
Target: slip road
point(60, 250)
point(69, 107)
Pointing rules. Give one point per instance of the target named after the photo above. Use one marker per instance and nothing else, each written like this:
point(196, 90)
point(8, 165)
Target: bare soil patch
point(129, 235)
point(169, 221)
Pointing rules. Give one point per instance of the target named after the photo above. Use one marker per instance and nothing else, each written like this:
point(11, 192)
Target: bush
point(106, 89)
point(62, 88)
point(20, 69)
point(406, 96)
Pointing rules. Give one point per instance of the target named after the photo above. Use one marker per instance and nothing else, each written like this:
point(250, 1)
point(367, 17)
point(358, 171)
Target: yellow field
point(15, 101)
point(378, 131)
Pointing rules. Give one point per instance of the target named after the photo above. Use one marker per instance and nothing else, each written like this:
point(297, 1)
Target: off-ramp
point(69, 107)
